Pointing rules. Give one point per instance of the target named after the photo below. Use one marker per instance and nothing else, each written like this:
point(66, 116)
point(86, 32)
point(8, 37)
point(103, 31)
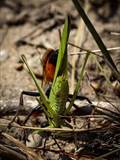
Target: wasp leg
point(83, 110)
point(82, 98)
point(28, 93)
point(36, 110)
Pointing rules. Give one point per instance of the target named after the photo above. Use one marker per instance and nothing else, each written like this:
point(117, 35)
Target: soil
point(30, 27)
point(18, 19)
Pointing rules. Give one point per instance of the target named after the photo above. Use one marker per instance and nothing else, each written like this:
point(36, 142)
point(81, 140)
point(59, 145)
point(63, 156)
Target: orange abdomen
point(49, 71)
point(49, 64)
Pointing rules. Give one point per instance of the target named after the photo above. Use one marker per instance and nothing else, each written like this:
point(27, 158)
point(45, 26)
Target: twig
point(54, 129)
point(115, 33)
point(8, 152)
point(107, 154)
point(91, 51)
point(29, 152)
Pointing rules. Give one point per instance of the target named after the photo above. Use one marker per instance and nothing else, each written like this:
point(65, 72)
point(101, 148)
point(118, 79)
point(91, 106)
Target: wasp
point(49, 61)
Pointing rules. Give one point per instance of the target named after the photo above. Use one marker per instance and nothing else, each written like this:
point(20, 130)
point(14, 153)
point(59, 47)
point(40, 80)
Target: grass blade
point(78, 84)
point(62, 54)
point(40, 90)
point(98, 40)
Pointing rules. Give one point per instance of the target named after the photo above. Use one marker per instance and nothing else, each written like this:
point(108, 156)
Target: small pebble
point(19, 66)
point(34, 140)
point(3, 55)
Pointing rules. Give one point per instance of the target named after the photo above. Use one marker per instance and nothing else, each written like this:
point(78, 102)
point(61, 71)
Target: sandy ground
point(29, 28)
point(18, 19)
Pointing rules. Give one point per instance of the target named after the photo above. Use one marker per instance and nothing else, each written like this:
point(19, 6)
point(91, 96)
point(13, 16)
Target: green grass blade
point(98, 40)
point(62, 54)
point(40, 90)
point(78, 84)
